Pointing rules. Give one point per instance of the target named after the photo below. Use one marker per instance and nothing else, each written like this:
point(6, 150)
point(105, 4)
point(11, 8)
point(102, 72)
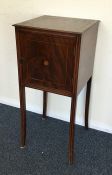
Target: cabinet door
point(48, 59)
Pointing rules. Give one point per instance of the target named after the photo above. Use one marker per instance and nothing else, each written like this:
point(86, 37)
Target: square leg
point(44, 105)
point(23, 116)
point(71, 129)
point(87, 102)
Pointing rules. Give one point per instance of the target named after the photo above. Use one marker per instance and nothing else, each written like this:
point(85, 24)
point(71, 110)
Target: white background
point(58, 106)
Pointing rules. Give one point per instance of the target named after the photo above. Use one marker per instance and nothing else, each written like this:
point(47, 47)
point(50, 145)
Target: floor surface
point(46, 147)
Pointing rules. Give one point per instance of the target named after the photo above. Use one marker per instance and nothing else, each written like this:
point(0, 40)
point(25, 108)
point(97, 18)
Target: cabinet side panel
point(87, 54)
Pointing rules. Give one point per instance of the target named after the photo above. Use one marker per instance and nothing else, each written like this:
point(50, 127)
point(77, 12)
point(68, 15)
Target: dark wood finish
point(23, 116)
point(87, 102)
point(56, 54)
point(38, 47)
point(44, 104)
point(22, 96)
point(74, 101)
point(59, 24)
point(87, 56)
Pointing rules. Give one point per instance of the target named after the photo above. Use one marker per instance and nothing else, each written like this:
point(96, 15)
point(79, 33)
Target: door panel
point(48, 60)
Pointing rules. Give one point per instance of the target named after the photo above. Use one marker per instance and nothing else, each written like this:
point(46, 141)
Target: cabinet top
point(61, 24)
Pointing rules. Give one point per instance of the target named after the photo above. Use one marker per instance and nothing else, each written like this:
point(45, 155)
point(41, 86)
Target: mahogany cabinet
point(56, 54)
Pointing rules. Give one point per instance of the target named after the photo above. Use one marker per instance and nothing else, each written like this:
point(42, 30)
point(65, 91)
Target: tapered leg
point(44, 104)
point(23, 116)
point(71, 129)
point(87, 102)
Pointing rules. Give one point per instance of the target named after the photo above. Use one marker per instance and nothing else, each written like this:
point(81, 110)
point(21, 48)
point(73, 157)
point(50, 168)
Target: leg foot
point(22, 147)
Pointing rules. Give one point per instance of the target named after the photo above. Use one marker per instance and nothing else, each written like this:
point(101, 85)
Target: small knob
point(46, 63)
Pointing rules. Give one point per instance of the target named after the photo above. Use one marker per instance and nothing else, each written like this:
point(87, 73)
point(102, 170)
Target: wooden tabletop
point(62, 24)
